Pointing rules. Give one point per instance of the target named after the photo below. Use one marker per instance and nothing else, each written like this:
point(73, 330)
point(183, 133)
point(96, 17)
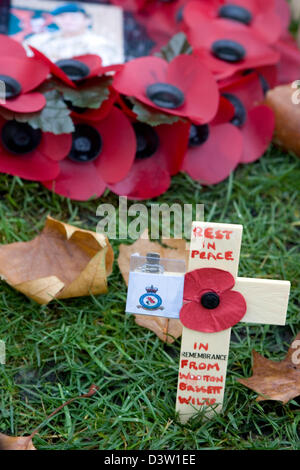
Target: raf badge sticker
point(151, 300)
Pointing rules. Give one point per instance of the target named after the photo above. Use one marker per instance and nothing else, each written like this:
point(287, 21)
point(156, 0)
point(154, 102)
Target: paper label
point(155, 294)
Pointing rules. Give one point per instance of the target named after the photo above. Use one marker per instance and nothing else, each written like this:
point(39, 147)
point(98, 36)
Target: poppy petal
point(77, 181)
point(231, 310)
point(119, 146)
point(269, 26)
point(11, 48)
point(30, 73)
point(173, 141)
point(27, 103)
point(213, 161)
point(145, 180)
point(186, 72)
point(34, 166)
point(225, 112)
point(257, 133)
point(206, 279)
point(55, 147)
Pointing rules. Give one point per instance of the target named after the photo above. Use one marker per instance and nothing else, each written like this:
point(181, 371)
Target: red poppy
point(210, 304)
point(183, 87)
point(73, 71)
point(102, 152)
point(255, 121)
point(258, 16)
point(226, 47)
point(21, 76)
point(159, 155)
point(214, 150)
point(30, 153)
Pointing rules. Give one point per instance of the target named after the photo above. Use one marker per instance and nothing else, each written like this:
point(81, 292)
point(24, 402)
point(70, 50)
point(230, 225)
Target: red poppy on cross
point(215, 299)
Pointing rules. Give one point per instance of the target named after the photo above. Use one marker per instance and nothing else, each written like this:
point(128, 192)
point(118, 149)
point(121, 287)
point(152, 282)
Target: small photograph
point(64, 30)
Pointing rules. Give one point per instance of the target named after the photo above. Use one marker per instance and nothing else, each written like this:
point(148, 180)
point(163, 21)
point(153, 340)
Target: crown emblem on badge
point(151, 289)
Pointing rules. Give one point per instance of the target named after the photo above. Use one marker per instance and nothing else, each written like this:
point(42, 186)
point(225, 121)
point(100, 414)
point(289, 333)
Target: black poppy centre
point(240, 113)
point(210, 300)
point(86, 144)
point(228, 50)
point(235, 13)
point(74, 69)
point(147, 140)
point(20, 138)
point(198, 135)
point(165, 95)
point(12, 87)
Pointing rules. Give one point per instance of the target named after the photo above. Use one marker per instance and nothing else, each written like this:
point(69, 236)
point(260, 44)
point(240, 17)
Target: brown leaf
point(167, 330)
point(275, 380)
point(287, 117)
point(25, 442)
point(62, 262)
point(16, 443)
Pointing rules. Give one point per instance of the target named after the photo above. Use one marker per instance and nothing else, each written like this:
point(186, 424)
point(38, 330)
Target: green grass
point(55, 352)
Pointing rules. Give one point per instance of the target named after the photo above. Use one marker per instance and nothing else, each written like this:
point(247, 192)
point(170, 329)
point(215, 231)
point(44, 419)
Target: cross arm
point(267, 300)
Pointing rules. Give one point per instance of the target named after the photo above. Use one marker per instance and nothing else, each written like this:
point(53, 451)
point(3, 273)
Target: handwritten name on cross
point(204, 356)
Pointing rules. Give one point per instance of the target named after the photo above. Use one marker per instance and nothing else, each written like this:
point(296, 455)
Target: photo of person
point(71, 29)
point(25, 23)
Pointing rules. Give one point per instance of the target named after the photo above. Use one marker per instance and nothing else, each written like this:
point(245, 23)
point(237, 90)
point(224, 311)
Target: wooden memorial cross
point(204, 355)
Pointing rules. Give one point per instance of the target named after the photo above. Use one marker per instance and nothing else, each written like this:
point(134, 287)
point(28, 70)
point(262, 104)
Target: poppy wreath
point(195, 104)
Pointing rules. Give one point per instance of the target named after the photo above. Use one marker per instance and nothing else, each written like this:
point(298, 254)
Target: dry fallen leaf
point(16, 443)
point(276, 380)
point(287, 116)
point(62, 262)
point(25, 442)
point(166, 330)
